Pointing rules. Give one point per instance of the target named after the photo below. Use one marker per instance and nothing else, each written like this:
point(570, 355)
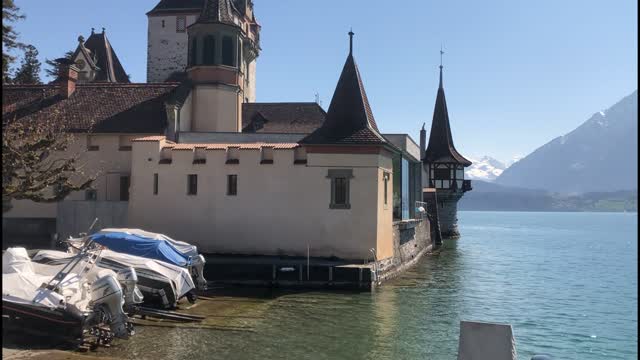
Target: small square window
point(91, 195)
point(181, 23)
point(232, 185)
point(192, 184)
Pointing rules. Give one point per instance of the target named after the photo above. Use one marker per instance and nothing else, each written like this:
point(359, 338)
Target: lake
point(567, 282)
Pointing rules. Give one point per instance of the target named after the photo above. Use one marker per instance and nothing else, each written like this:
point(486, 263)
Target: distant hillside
point(599, 155)
point(493, 197)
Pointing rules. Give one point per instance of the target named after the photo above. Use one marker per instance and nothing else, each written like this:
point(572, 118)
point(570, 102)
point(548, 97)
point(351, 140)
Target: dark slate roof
point(349, 119)
point(292, 118)
point(111, 108)
point(441, 148)
point(217, 11)
point(104, 57)
point(173, 6)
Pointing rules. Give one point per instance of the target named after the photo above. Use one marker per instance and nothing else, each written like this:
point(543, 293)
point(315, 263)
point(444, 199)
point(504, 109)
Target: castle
point(191, 153)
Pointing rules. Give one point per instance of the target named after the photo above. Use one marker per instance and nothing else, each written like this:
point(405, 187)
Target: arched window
point(227, 51)
point(209, 50)
point(194, 51)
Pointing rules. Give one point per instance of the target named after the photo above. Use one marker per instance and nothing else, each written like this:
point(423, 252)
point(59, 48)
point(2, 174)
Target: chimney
point(67, 77)
point(423, 142)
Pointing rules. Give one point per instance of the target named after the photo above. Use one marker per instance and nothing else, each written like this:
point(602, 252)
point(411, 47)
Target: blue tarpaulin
point(141, 246)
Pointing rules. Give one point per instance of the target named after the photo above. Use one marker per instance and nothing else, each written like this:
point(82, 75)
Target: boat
point(67, 303)
point(162, 284)
point(150, 245)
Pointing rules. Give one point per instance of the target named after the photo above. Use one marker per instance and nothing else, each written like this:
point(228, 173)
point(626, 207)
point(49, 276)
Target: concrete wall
point(109, 162)
point(216, 108)
point(167, 49)
point(279, 210)
point(75, 217)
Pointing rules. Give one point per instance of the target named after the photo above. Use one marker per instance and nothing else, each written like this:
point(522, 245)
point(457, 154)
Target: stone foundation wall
point(411, 240)
point(448, 213)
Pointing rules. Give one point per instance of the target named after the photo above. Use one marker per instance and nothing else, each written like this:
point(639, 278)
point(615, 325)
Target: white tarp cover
point(185, 248)
point(486, 341)
point(180, 277)
point(21, 284)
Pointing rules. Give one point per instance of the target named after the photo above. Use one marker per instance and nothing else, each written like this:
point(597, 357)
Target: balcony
point(466, 185)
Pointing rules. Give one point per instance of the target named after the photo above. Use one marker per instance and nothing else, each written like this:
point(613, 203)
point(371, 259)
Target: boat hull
point(61, 324)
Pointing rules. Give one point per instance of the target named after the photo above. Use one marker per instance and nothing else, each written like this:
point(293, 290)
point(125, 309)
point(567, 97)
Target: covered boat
point(155, 246)
point(66, 303)
point(162, 284)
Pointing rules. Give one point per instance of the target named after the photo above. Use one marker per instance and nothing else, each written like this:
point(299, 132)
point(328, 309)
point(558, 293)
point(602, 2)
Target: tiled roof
point(441, 148)
point(291, 118)
point(217, 11)
point(241, 146)
point(151, 138)
point(101, 107)
point(169, 6)
point(349, 119)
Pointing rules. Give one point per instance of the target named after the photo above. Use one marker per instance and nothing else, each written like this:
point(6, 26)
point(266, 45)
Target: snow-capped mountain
point(485, 168)
point(599, 155)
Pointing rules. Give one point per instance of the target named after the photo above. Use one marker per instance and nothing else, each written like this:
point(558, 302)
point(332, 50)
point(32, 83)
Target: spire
point(349, 119)
point(441, 53)
point(441, 148)
point(351, 33)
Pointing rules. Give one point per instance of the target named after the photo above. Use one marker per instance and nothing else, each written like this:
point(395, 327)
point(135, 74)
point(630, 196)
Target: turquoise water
point(567, 282)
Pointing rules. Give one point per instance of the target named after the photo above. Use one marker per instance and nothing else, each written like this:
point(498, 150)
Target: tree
point(10, 14)
point(35, 163)
point(54, 65)
point(29, 72)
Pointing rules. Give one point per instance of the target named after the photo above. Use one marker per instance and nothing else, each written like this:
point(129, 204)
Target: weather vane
point(441, 53)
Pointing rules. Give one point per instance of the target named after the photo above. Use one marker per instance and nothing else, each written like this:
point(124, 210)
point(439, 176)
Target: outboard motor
point(107, 299)
point(197, 272)
point(128, 279)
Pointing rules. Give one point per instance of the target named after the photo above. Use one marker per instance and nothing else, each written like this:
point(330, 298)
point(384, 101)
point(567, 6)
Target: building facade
point(192, 155)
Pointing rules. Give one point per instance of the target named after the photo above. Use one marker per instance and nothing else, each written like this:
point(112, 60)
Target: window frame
point(340, 178)
point(124, 193)
point(184, 19)
point(156, 181)
point(232, 184)
point(192, 186)
point(385, 178)
point(209, 55)
point(227, 52)
point(88, 197)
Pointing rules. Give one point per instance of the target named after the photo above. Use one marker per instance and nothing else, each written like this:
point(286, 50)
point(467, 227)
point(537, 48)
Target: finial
point(441, 53)
point(351, 41)
point(93, 30)
point(423, 126)
point(81, 39)
point(103, 29)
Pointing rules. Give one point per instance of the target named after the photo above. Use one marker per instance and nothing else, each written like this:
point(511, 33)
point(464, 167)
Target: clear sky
point(517, 73)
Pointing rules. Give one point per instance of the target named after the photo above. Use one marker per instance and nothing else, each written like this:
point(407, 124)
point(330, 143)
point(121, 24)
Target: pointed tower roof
point(102, 56)
point(440, 148)
point(349, 119)
point(217, 11)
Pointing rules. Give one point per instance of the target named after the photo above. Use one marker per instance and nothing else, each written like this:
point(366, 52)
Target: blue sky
point(517, 73)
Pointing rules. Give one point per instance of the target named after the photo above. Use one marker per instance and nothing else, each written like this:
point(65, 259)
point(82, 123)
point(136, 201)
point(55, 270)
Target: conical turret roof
point(349, 119)
point(441, 148)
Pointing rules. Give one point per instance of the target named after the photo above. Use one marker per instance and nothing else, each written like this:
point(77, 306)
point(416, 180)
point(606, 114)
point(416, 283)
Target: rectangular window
point(232, 185)
point(340, 179)
point(227, 51)
point(192, 184)
point(91, 195)
point(385, 178)
point(181, 23)
point(155, 184)
point(124, 188)
point(441, 174)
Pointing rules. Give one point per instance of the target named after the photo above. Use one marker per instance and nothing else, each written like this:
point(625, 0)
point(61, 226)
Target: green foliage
point(29, 72)
point(10, 14)
point(35, 164)
point(53, 71)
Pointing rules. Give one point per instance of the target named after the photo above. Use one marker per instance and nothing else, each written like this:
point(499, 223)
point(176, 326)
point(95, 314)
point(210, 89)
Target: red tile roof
point(289, 118)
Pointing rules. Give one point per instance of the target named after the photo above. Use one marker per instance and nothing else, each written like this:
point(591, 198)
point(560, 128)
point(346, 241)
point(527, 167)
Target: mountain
point(486, 168)
point(599, 155)
point(494, 197)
